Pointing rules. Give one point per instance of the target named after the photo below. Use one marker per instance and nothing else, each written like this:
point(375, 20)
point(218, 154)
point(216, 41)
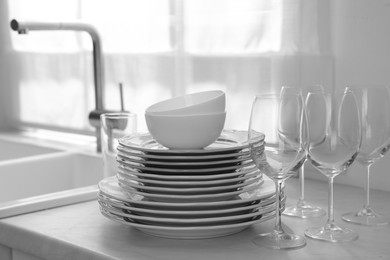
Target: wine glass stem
point(278, 222)
point(302, 184)
point(330, 201)
point(367, 186)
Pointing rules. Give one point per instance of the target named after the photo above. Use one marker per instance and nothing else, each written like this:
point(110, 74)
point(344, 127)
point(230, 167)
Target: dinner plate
point(188, 177)
point(229, 141)
point(199, 213)
point(186, 170)
point(189, 232)
point(110, 188)
point(183, 164)
point(160, 197)
point(187, 190)
point(178, 157)
point(183, 222)
point(188, 183)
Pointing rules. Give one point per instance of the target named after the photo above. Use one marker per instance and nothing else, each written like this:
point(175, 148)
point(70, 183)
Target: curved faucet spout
point(98, 68)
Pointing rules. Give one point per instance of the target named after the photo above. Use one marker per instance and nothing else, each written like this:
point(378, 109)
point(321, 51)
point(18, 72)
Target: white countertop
point(79, 231)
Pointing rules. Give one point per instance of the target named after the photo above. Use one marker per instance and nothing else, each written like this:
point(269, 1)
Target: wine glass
point(280, 119)
point(374, 105)
point(334, 132)
point(302, 208)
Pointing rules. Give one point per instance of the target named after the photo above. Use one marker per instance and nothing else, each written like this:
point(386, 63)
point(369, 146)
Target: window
point(157, 49)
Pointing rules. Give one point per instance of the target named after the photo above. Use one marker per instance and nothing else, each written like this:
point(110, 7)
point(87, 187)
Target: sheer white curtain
point(163, 48)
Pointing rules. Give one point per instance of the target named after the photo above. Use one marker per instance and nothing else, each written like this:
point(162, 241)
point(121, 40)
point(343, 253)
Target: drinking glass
point(374, 105)
point(334, 132)
point(113, 127)
point(280, 118)
point(302, 208)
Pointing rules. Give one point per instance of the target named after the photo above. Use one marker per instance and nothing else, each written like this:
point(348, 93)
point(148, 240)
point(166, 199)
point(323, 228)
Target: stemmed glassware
point(280, 118)
point(374, 105)
point(302, 208)
point(334, 132)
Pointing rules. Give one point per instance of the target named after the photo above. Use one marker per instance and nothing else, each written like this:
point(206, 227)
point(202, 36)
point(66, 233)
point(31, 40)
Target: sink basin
point(37, 178)
point(14, 150)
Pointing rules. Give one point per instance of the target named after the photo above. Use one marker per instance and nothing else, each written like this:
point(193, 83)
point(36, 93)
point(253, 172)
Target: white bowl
point(205, 102)
point(185, 132)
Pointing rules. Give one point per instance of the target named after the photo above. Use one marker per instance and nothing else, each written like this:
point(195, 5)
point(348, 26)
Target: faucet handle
point(94, 117)
point(121, 96)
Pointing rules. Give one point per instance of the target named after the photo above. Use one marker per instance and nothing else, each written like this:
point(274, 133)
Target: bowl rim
point(186, 115)
point(218, 93)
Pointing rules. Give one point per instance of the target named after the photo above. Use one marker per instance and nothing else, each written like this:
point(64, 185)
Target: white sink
point(14, 150)
point(36, 178)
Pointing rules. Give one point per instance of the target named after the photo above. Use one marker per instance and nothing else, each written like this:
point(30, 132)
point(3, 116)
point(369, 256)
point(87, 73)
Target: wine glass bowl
point(303, 209)
point(374, 107)
point(332, 148)
point(279, 118)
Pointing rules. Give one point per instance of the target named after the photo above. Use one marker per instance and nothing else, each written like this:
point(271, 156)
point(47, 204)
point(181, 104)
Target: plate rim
point(206, 150)
point(144, 161)
point(189, 190)
point(250, 197)
point(185, 158)
point(186, 182)
point(197, 228)
point(174, 198)
point(245, 163)
point(119, 204)
point(189, 221)
point(176, 176)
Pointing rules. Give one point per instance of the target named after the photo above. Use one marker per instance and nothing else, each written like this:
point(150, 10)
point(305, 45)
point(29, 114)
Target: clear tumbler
point(113, 127)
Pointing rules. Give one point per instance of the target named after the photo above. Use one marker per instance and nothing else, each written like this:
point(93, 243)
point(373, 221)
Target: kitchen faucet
point(98, 68)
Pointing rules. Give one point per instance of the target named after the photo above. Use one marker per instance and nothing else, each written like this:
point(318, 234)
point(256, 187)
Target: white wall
point(360, 40)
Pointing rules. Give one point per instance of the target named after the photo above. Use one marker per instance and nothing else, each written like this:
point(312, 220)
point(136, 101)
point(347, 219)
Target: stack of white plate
point(188, 194)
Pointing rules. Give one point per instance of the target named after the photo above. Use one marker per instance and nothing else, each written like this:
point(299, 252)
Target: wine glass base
point(332, 233)
point(282, 240)
point(366, 219)
point(304, 210)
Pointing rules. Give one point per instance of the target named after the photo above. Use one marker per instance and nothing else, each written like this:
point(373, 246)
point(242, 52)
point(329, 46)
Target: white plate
point(223, 162)
point(195, 232)
point(192, 197)
point(187, 191)
point(184, 158)
point(188, 213)
point(188, 177)
point(185, 222)
point(191, 170)
point(229, 141)
point(110, 188)
point(188, 183)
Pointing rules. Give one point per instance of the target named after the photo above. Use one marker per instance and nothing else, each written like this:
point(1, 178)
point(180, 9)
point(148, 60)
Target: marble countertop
point(79, 231)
